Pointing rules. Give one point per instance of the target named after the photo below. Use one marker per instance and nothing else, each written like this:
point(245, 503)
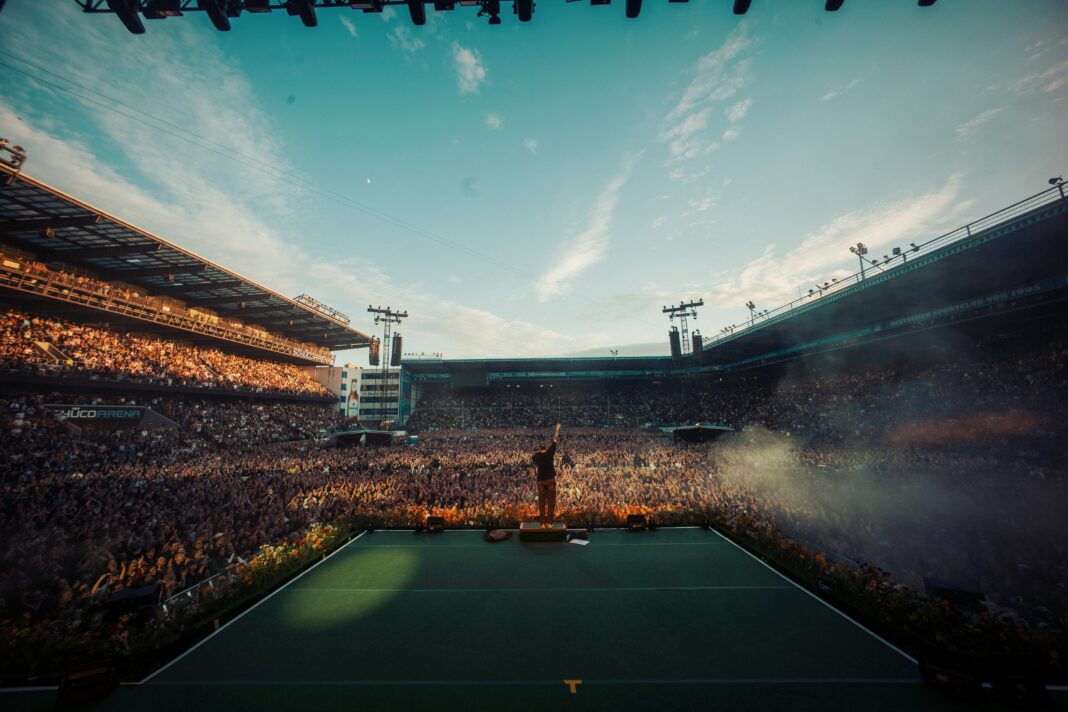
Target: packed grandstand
point(869, 471)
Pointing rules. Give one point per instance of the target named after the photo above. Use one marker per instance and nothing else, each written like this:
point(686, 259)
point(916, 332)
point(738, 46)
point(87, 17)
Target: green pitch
point(672, 619)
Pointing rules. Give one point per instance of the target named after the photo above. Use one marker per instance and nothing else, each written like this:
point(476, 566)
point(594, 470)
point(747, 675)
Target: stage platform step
point(533, 531)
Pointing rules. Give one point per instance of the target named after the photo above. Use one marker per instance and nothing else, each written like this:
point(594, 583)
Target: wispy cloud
point(402, 37)
point(738, 111)
point(494, 121)
point(1050, 80)
point(730, 134)
point(590, 246)
point(471, 73)
point(350, 26)
point(838, 91)
point(774, 277)
point(717, 77)
point(531, 144)
point(965, 130)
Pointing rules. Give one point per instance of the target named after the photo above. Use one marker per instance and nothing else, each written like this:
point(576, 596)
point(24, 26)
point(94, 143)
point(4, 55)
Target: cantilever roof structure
point(56, 227)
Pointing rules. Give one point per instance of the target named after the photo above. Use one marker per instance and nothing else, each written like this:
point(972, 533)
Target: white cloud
point(717, 77)
point(838, 91)
point(531, 144)
point(402, 38)
point(223, 209)
point(738, 111)
point(660, 220)
point(590, 246)
point(388, 13)
point(350, 26)
point(773, 278)
point(471, 72)
point(494, 121)
point(730, 134)
point(965, 130)
point(1054, 78)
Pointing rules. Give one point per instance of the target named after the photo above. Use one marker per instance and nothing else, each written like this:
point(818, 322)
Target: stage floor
point(671, 619)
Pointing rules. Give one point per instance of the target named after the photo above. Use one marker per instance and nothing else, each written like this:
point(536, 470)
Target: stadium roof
point(56, 227)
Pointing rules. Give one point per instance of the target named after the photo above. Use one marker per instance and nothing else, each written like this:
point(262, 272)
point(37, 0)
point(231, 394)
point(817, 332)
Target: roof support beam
point(82, 253)
point(205, 301)
point(45, 223)
point(206, 287)
point(141, 273)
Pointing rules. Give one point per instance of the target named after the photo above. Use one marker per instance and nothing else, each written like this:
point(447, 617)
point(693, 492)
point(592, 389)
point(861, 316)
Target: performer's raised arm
point(556, 434)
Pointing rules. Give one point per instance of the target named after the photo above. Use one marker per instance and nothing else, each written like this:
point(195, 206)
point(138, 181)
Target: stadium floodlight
point(417, 10)
point(305, 9)
point(634, 8)
point(127, 12)
point(216, 10)
point(833, 5)
point(1056, 181)
point(741, 6)
point(160, 9)
point(525, 9)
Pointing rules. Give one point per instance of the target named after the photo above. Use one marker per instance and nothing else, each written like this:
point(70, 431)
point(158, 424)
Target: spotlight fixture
point(634, 8)
point(833, 5)
point(926, 3)
point(127, 12)
point(417, 10)
point(741, 6)
point(1056, 181)
point(160, 9)
point(258, 5)
point(305, 9)
point(216, 10)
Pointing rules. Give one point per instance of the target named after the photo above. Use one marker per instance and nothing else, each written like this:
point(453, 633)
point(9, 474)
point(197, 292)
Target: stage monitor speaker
point(373, 352)
point(398, 349)
point(676, 344)
point(635, 522)
point(435, 525)
point(86, 681)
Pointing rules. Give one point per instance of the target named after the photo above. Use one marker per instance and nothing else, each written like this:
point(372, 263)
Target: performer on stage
point(543, 460)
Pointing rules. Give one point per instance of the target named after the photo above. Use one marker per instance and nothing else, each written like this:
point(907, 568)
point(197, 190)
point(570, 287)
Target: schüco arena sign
point(98, 413)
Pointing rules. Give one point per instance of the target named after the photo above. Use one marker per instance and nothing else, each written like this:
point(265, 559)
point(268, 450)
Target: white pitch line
point(864, 628)
point(251, 608)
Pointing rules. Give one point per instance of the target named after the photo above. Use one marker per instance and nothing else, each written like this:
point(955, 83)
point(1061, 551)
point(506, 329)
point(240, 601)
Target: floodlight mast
point(682, 312)
point(387, 317)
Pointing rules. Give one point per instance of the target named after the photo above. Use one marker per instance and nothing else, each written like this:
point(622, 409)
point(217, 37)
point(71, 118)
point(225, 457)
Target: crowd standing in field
point(850, 468)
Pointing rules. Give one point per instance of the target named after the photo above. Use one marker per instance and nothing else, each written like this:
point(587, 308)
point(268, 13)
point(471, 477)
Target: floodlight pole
point(682, 312)
point(387, 317)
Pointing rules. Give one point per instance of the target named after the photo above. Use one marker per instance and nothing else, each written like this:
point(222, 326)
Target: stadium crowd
point(846, 470)
point(103, 353)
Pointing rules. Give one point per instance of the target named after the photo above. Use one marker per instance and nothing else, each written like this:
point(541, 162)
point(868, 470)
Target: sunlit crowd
point(33, 344)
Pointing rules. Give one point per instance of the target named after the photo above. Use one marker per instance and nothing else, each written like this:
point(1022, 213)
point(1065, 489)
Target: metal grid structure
point(56, 228)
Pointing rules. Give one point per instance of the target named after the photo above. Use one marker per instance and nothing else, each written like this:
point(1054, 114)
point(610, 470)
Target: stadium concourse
point(893, 491)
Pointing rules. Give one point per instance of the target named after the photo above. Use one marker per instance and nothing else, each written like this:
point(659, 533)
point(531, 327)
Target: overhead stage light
point(833, 5)
point(525, 9)
point(127, 12)
point(741, 6)
point(258, 5)
point(634, 8)
point(926, 3)
point(216, 10)
point(417, 10)
point(160, 9)
point(305, 9)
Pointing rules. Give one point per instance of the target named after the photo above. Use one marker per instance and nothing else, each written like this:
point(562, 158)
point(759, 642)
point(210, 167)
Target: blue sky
point(545, 188)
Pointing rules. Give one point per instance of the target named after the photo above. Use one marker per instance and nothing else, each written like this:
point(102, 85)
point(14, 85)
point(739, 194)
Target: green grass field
point(672, 619)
